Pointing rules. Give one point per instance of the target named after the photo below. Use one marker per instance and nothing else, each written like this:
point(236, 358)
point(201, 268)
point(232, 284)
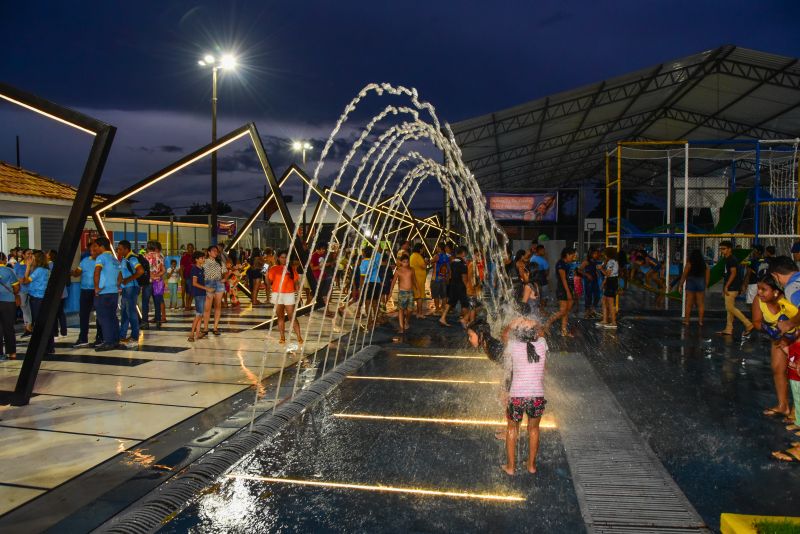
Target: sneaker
point(82, 345)
point(125, 340)
point(613, 326)
point(144, 326)
point(103, 347)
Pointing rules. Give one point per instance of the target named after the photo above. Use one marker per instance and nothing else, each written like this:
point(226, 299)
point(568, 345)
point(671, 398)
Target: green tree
point(205, 208)
point(159, 209)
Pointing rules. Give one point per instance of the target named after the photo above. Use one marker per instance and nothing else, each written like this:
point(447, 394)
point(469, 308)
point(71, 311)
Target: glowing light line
point(381, 488)
point(545, 423)
point(48, 115)
point(409, 379)
point(443, 356)
point(171, 172)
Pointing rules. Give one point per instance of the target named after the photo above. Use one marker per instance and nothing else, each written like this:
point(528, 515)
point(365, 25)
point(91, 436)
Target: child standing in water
point(405, 279)
point(527, 352)
point(610, 270)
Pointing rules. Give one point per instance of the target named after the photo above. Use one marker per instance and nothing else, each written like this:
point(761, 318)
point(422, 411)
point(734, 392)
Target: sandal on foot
point(791, 456)
point(772, 412)
point(724, 333)
point(282, 340)
point(191, 339)
point(216, 331)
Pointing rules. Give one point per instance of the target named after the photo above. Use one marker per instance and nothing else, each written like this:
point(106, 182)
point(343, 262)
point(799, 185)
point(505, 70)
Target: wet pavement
point(427, 455)
point(695, 398)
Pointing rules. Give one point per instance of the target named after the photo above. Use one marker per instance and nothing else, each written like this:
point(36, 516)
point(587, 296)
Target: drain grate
point(622, 486)
point(150, 513)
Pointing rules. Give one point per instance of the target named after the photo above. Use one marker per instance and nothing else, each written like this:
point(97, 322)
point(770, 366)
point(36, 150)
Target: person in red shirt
point(284, 282)
point(320, 270)
point(187, 261)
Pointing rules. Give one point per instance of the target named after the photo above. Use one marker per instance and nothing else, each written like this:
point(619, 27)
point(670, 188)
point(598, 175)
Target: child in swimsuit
point(769, 307)
point(406, 283)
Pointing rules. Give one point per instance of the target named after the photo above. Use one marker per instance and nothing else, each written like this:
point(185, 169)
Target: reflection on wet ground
point(695, 397)
point(459, 461)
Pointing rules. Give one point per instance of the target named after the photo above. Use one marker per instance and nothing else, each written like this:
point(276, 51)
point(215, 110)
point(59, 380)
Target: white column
point(668, 259)
point(685, 218)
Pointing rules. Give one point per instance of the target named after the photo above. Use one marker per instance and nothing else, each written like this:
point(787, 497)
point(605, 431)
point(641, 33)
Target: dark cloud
point(556, 18)
point(169, 149)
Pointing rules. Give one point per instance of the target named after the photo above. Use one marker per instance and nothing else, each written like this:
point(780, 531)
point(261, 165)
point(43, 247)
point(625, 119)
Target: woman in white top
point(215, 273)
point(526, 350)
point(610, 287)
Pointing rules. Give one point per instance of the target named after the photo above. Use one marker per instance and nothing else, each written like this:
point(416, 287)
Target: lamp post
point(302, 146)
point(227, 62)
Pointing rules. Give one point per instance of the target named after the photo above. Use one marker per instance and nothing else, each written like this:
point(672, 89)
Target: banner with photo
point(534, 207)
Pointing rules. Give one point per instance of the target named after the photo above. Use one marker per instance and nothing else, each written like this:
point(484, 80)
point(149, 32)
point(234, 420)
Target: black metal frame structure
point(211, 148)
point(559, 141)
point(93, 170)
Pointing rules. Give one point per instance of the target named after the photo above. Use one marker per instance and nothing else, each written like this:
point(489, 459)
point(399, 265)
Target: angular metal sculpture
point(43, 325)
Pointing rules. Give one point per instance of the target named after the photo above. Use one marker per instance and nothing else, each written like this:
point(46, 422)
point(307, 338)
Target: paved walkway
point(93, 409)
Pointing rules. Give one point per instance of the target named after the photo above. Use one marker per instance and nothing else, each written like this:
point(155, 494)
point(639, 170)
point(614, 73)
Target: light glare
point(228, 62)
point(410, 379)
point(389, 489)
point(208, 58)
point(545, 423)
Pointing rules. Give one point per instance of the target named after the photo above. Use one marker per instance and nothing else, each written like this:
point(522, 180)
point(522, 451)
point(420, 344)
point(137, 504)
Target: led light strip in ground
point(380, 488)
point(543, 424)
point(410, 379)
point(443, 356)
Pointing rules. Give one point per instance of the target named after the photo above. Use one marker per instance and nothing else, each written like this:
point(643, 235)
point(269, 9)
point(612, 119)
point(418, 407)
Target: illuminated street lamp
point(302, 146)
point(226, 62)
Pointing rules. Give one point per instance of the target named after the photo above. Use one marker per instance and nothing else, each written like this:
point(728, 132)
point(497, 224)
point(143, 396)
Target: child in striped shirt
point(526, 350)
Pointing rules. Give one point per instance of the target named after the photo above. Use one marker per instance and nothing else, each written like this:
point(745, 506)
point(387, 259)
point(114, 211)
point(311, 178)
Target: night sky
point(134, 65)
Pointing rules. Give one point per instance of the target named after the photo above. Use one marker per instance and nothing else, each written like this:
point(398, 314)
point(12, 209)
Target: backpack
point(144, 278)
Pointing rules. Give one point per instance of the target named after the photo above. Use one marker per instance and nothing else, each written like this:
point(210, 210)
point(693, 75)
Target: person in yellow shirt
point(420, 267)
point(770, 307)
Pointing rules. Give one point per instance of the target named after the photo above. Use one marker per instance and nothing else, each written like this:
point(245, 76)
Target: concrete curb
point(150, 512)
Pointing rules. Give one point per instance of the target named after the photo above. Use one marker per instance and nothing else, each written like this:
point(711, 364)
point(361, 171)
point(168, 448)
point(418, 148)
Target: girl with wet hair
point(526, 352)
point(769, 307)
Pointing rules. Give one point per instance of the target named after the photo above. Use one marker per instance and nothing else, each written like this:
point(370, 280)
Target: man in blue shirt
point(441, 276)
point(131, 270)
point(85, 271)
point(371, 283)
point(541, 267)
point(9, 285)
point(24, 300)
point(106, 280)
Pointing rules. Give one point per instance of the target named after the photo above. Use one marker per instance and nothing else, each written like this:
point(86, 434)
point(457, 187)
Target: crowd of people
point(126, 290)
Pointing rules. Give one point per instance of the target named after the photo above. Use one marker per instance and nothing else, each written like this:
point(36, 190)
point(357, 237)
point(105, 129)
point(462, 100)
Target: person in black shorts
point(565, 289)
point(610, 271)
point(457, 287)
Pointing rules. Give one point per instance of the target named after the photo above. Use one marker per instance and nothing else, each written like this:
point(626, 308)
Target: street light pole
point(302, 146)
point(213, 236)
point(304, 192)
point(227, 62)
